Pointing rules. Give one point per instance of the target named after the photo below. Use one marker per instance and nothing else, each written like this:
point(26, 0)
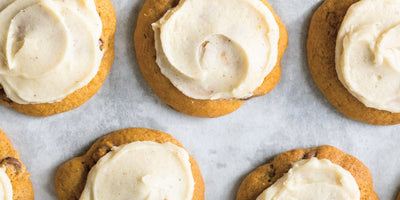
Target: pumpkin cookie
point(74, 59)
point(133, 151)
point(342, 65)
point(267, 179)
point(14, 180)
point(214, 71)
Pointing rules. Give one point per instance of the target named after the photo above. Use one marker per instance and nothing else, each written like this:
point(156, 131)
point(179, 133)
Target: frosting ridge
point(217, 49)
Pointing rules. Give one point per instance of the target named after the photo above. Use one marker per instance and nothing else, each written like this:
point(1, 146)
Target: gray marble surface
point(294, 115)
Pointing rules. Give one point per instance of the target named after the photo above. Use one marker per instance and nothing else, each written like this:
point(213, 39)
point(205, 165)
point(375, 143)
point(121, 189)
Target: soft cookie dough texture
point(151, 12)
point(71, 177)
point(15, 170)
point(80, 96)
point(321, 45)
point(265, 176)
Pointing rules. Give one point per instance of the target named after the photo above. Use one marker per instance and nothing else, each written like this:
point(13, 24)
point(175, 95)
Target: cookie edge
point(152, 11)
point(79, 97)
point(321, 44)
point(71, 177)
point(21, 184)
point(269, 173)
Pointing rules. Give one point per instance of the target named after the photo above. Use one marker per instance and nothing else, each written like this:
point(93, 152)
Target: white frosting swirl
point(368, 53)
point(6, 192)
point(48, 48)
point(141, 171)
point(217, 49)
point(314, 179)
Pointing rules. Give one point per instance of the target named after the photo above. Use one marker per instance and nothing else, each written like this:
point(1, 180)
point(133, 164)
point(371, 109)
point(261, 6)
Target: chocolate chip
point(12, 161)
point(101, 43)
point(310, 154)
point(3, 96)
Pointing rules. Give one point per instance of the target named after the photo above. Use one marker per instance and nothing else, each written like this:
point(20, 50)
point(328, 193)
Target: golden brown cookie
point(15, 170)
point(263, 177)
point(398, 197)
point(71, 177)
point(79, 97)
point(321, 45)
point(151, 12)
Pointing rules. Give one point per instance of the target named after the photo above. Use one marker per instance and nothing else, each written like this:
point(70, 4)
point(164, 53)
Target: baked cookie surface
point(151, 12)
point(79, 97)
point(15, 170)
point(265, 176)
point(71, 177)
point(321, 44)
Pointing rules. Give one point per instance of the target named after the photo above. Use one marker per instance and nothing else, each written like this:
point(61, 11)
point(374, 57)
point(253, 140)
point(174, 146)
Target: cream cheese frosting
point(314, 179)
point(6, 192)
point(48, 48)
point(141, 171)
point(368, 53)
point(217, 49)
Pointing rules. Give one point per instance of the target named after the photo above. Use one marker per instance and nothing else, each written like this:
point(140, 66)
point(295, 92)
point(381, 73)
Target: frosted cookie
point(353, 55)
point(14, 181)
point(132, 163)
point(205, 58)
point(54, 54)
point(322, 172)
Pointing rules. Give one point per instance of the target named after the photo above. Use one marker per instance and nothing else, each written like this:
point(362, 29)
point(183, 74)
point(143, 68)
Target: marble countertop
point(294, 115)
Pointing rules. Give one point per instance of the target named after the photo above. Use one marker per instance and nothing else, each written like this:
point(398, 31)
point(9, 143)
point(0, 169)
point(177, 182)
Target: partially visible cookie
point(321, 44)
point(71, 177)
point(15, 170)
point(152, 11)
point(79, 97)
point(265, 176)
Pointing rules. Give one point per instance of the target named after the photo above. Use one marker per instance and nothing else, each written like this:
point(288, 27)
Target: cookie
point(79, 97)
point(265, 176)
point(321, 44)
point(15, 170)
point(71, 177)
point(152, 11)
